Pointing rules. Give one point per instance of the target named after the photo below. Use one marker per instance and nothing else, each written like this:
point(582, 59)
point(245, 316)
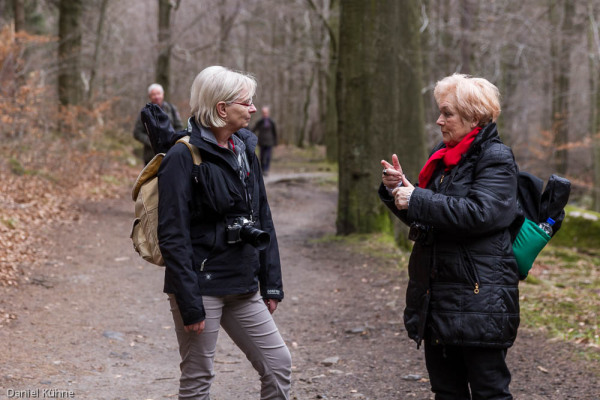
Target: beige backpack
point(145, 195)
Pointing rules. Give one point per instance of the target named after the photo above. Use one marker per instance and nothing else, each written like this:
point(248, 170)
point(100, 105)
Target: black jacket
point(463, 279)
point(267, 135)
point(192, 235)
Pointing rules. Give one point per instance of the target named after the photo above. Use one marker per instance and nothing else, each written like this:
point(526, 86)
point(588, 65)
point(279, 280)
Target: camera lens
point(255, 237)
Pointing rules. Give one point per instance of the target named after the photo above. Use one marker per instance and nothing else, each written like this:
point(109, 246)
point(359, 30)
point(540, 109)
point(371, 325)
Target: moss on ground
point(580, 229)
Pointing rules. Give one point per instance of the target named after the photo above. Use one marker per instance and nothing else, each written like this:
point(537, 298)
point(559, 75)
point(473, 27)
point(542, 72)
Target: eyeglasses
point(248, 103)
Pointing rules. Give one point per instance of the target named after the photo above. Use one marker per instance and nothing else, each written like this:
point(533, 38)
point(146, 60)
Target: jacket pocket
point(470, 269)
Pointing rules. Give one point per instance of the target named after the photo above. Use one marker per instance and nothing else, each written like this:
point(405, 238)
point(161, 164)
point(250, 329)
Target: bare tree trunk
point(246, 45)
point(380, 107)
point(561, 83)
point(19, 10)
point(446, 41)
point(277, 40)
point(467, 13)
point(163, 63)
point(97, 44)
point(331, 23)
point(594, 51)
point(305, 116)
point(331, 128)
point(226, 23)
point(70, 84)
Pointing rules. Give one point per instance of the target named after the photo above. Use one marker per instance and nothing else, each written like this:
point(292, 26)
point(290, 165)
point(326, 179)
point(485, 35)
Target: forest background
point(350, 76)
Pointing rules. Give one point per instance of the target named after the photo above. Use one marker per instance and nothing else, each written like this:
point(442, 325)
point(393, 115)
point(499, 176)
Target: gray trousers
point(248, 322)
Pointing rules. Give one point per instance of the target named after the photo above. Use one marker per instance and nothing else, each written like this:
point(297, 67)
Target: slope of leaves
point(51, 157)
point(36, 195)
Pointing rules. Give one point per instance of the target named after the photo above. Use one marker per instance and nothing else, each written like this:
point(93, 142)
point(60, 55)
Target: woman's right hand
point(198, 327)
point(392, 173)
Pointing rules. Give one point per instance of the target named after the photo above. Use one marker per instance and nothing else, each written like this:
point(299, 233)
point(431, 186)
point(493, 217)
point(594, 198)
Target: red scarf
point(450, 155)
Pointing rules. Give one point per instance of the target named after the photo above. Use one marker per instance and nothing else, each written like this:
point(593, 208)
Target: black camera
point(242, 229)
point(420, 233)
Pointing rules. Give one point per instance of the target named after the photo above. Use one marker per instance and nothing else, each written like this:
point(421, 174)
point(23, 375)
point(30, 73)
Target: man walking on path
point(156, 93)
point(267, 139)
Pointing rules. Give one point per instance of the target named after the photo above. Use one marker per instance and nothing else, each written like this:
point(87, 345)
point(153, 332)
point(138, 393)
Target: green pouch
point(528, 244)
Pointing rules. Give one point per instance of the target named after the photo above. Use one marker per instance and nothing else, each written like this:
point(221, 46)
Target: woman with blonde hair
point(462, 298)
point(218, 241)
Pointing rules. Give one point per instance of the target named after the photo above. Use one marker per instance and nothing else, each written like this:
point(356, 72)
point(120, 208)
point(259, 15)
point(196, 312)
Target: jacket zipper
point(202, 265)
point(474, 277)
point(247, 193)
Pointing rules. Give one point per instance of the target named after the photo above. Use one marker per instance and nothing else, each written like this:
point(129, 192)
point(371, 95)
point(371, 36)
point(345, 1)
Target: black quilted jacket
point(463, 280)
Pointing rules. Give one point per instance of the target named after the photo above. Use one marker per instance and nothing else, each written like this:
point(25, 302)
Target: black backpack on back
point(536, 205)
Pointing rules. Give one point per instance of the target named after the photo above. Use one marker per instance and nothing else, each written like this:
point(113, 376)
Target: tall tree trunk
point(305, 116)
point(380, 108)
point(70, 84)
point(594, 51)
point(97, 44)
point(163, 63)
point(246, 45)
point(275, 97)
point(467, 14)
point(447, 63)
point(331, 118)
point(226, 24)
point(19, 10)
point(561, 84)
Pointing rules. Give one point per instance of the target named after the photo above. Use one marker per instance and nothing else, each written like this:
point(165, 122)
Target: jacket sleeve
point(269, 275)
point(139, 132)
point(274, 133)
point(257, 126)
point(489, 205)
point(388, 200)
point(174, 217)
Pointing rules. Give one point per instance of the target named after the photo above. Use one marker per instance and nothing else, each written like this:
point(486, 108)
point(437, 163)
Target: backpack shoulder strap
point(193, 149)
point(149, 171)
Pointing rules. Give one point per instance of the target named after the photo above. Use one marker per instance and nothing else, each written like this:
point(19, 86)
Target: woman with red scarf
point(462, 298)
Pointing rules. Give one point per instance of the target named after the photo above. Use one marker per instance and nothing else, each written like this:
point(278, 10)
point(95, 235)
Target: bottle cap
point(550, 221)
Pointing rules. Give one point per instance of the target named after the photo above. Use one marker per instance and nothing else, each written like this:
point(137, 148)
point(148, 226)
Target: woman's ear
point(222, 109)
point(474, 123)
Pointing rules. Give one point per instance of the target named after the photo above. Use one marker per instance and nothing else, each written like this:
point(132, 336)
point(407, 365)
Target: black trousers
point(467, 373)
point(265, 158)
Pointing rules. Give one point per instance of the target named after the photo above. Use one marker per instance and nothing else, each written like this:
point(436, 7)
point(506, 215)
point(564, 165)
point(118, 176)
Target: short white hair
point(213, 85)
point(155, 86)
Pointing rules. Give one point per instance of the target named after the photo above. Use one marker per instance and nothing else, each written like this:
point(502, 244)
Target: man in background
point(156, 94)
point(267, 138)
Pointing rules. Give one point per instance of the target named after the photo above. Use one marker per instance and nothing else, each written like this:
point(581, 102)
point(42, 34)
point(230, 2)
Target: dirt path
point(95, 323)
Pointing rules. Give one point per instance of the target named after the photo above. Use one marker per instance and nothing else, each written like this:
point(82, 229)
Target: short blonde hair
point(473, 98)
point(213, 85)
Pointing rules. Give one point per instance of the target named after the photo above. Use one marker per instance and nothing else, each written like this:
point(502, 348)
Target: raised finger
point(396, 163)
point(386, 164)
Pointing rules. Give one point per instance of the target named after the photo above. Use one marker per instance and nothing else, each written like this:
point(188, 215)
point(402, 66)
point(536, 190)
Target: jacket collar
point(203, 138)
point(487, 134)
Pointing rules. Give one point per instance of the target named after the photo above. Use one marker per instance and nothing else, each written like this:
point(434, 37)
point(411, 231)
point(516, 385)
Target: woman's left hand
point(401, 195)
point(271, 305)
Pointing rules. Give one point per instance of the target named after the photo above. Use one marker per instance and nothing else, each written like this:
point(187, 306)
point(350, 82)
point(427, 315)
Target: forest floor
point(92, 321)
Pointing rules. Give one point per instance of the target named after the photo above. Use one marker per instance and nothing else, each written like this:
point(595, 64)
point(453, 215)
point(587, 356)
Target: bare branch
point(594, 28)
point(331, 33)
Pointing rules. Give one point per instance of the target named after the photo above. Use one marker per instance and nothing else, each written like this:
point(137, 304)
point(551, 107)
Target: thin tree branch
point(330, 31)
